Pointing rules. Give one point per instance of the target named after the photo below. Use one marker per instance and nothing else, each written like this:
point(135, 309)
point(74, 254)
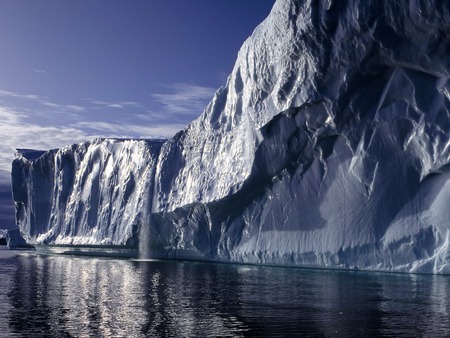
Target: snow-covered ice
point(328, 146)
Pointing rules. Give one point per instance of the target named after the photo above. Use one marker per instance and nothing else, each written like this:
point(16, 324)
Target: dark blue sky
point(74, 70)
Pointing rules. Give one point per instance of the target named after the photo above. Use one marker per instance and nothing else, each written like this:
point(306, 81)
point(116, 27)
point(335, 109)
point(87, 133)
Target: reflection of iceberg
point(328, 146)
point(118, 298)
point(115, 298)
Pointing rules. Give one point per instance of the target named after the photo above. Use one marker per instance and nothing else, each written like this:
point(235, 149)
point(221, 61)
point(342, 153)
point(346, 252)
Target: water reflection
point(76, 296)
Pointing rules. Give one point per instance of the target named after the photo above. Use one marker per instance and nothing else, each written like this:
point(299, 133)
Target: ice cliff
point(89, 193)
point(328, 146)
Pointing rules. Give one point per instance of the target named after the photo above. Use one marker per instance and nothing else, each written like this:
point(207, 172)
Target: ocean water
point(70, 296)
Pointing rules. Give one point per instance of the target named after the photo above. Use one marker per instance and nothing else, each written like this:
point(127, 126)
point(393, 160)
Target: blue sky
point(74, 70)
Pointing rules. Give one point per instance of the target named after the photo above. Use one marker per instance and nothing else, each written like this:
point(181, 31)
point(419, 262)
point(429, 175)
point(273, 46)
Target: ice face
point(15, 240)
point(89, 193)
point(328, 146)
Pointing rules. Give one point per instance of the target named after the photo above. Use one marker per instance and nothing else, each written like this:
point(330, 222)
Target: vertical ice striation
point(328, 146)
point(88, 193)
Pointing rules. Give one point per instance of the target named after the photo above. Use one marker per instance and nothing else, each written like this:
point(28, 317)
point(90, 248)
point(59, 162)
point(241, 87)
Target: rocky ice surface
point(328, 146)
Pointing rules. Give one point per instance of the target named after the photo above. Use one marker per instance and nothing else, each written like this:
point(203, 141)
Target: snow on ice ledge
point(328, 147)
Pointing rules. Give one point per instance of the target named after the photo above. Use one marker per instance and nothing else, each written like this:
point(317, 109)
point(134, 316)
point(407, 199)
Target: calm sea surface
point(63, 296)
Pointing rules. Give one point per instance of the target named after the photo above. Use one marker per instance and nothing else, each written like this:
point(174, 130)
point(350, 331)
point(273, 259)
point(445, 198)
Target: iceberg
point(14, 240)
point(3, 233)
point(327, 147)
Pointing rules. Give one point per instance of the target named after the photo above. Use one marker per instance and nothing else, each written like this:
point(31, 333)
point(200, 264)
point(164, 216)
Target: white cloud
point(9, 116)
point(185, 98)
point(115, 105)
point(105, 104)
point(41, 100)
point(131, 104)
point(18, 95)
point(16, 133)
point(64, 107)
point(99, 104)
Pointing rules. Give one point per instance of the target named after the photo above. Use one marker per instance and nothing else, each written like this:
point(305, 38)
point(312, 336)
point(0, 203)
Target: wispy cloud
point(99, 104)
point(9, 116)
point(64, 106)
point(17, 133)
point(41, 100)
point(182, 98)
point(105, 104)
point(19, 95)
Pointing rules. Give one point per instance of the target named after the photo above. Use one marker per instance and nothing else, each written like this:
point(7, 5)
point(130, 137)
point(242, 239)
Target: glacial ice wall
point(328, 146)
point(89, 193)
